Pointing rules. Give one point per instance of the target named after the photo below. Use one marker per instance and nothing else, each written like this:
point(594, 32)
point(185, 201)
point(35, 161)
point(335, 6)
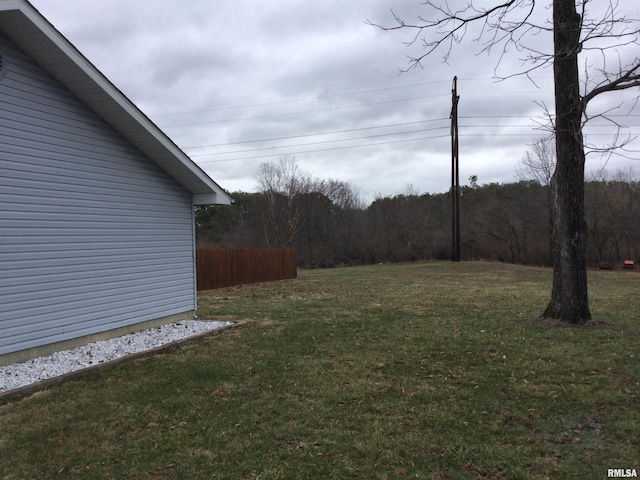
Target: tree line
point(329, 225)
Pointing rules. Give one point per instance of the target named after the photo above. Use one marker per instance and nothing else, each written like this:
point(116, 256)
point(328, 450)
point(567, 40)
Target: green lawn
point(430, 370)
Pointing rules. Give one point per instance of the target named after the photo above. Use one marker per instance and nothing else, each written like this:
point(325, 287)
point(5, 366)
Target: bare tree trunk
point(569, 298)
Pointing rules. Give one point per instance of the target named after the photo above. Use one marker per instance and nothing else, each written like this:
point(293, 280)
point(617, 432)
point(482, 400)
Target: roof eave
point(26, 27)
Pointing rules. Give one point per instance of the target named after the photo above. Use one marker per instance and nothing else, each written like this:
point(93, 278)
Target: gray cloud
point(217, 73)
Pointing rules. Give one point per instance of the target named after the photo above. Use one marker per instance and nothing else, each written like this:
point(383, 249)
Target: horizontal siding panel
point(85, 315)
point(52, 204)
point(25, 80)
point(19, 112)
point(64, 245)
point(101, 186)
point(46, 96)
point(104, 222)
point(25, 157)
point(49, 262)
point(30, 188)
point(73, 314)
point(50, 266)
point(34, 95)
point(52, 129)
point(87, 297)
point(22, 106)
point(30, 73)
point(10, 291)
point(84, 257)
point(35, 284)
point(89, 216)
point(113, 237)
point(87, 322)
point(32, 130)
point(103, 213)
point(77, 233)
point(89, 325)
point(73, 175)
point(93, 235)
point(106, 267)
point(44, 145)
point(77, 313)
point(67, 250)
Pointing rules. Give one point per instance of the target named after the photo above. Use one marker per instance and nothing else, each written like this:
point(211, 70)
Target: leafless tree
point(315, 215)
point(280, 183)
point(538, 163)
point(609, 42)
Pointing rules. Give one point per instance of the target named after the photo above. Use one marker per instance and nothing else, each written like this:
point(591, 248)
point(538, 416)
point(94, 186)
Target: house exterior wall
point(93, 235)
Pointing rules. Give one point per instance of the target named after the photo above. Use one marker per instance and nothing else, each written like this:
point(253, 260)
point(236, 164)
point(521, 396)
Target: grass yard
point(430, 370)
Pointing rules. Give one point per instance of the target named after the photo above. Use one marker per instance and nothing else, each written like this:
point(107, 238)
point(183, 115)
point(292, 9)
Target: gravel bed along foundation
point(57, 364)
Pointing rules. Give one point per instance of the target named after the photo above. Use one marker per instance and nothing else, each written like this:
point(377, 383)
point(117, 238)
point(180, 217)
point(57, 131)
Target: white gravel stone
point(42, 368)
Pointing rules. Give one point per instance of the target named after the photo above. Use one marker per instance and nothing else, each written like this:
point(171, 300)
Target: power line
point(333, 132)
point(361, 145)
point(485, 126)
point(322, 97)
point(323, 149)
point(303, 112)
point(347, 147)
point(273, 115)
point(315, 134)
point(529, 116)
point(282, 102)
point(320, 142)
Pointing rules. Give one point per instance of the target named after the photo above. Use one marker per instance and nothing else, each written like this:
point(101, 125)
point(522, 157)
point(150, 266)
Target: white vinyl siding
point(93, 235)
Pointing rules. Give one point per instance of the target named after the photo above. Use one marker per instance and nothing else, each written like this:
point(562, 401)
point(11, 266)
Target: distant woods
point(329, 225)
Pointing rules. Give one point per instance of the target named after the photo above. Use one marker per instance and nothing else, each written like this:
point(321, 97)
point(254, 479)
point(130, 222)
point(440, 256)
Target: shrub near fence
point(226, 267)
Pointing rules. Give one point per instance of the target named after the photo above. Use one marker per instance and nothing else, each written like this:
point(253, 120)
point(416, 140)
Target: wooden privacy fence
point(225, 267)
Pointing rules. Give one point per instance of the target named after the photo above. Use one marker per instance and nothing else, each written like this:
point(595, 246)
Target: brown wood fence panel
point(226, 267)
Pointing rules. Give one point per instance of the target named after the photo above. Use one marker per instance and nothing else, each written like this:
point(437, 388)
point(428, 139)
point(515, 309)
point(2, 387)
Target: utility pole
point(455, 175)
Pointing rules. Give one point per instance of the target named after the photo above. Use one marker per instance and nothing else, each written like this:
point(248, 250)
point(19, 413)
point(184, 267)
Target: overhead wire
point(320, 142)
point(236, 107)
point(324, 149)
point(302, 112)
point(406, 132)
point(287, 147)
point(333, 132)
point(349, 130)
point(335, 95)
point(282, 102)
point(357, 146)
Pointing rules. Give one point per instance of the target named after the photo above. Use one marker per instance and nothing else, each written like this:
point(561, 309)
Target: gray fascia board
point(26, 27)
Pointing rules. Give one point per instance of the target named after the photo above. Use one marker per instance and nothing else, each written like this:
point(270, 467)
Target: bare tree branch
point(625, 80)
point(451, 27)
point(496, 28)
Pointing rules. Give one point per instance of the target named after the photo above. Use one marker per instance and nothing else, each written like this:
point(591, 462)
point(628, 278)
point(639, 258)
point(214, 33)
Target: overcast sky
point(236, 83)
